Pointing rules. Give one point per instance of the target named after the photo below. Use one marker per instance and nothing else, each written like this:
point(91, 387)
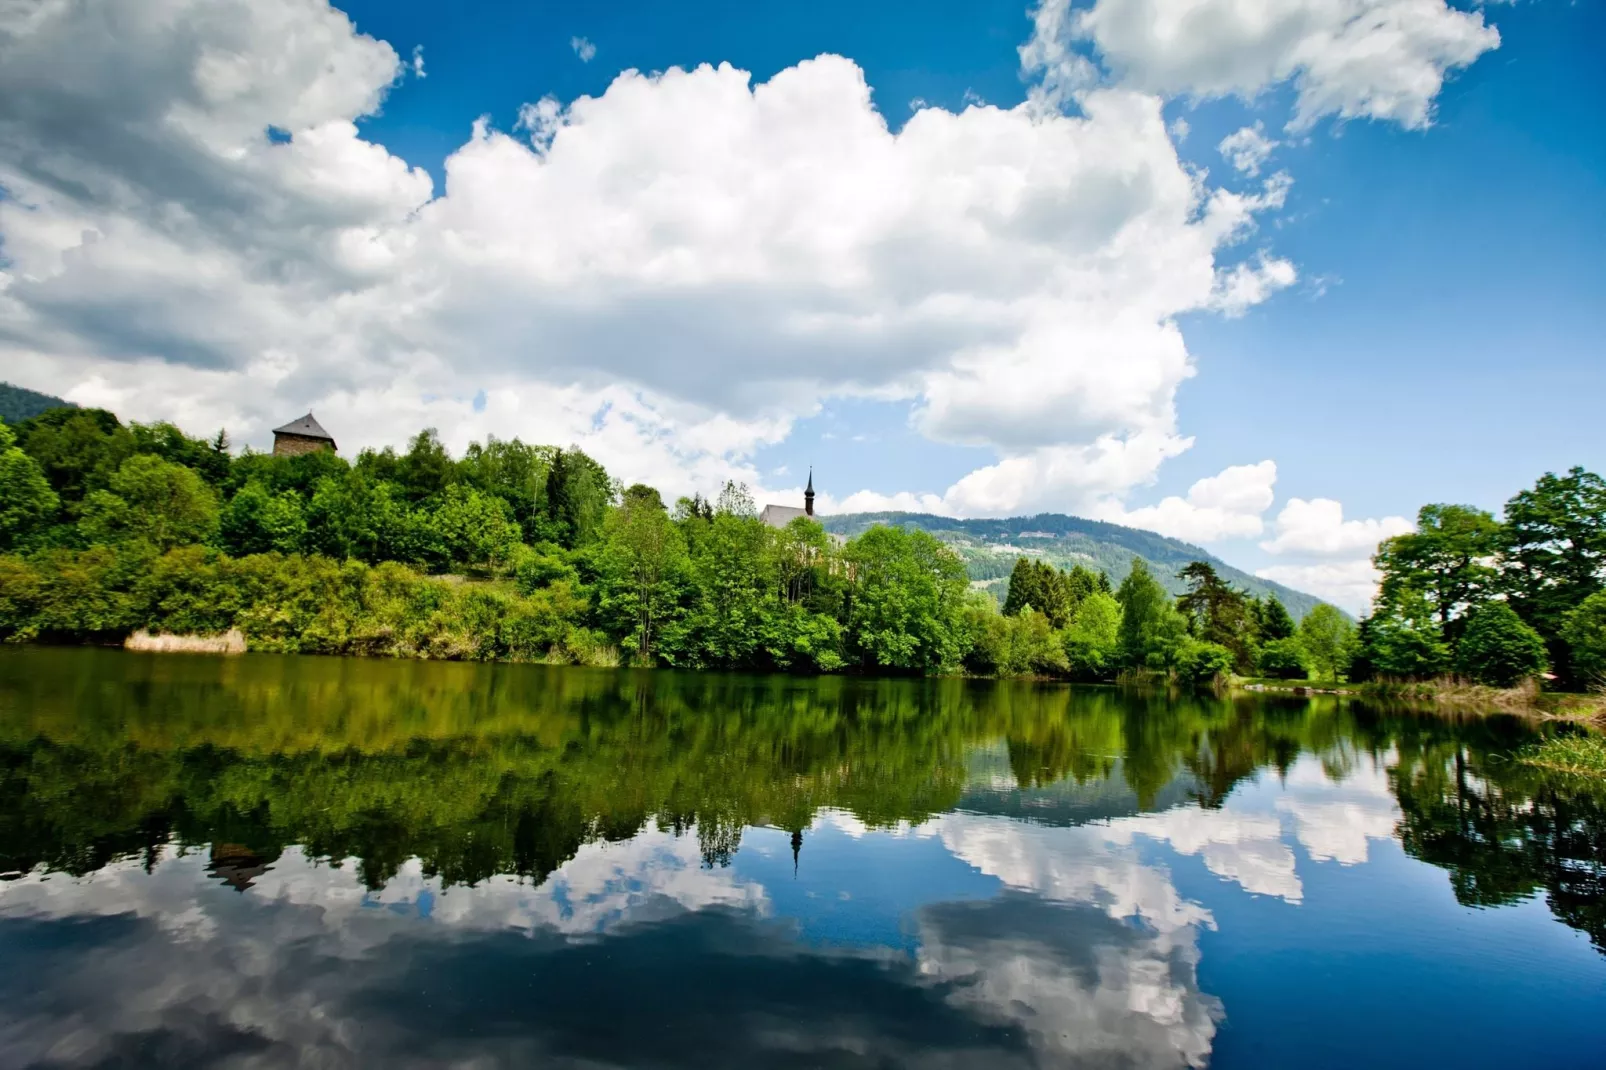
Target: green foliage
point(1498, 649)
point(1554, 554)
point(1272, 619)
point(1203, 663)
point(578, 493)
point(27, 503)
point(1404, 642)
point(1020, 645)
point(905, 594)
point(207, 458)
point(1284, 659)
point(154, 500)
point(1326, 636)
point(1446, 561)
point(301, 473)
point(470, 529)
point(1093, 640)
point(257, 521)
point(1585, 635)
point(514, 472)
point(645, 573)
point(79, 450)
point(1041, 586)
point(1217, 613)
point(1152, 630)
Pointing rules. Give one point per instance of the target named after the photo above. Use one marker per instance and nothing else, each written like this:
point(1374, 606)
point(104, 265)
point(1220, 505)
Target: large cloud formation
point(670, 273)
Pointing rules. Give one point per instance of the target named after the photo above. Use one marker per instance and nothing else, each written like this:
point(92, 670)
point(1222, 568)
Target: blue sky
point(1424, 323)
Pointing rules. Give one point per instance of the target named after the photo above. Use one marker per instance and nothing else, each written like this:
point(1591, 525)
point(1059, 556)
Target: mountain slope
point(19, 403)
point(990, 548)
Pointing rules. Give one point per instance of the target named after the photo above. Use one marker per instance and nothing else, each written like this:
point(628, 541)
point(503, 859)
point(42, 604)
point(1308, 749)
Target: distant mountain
point(990, 548)
point(19, 403)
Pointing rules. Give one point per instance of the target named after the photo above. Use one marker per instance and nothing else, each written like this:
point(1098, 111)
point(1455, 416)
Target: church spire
point(808, 494)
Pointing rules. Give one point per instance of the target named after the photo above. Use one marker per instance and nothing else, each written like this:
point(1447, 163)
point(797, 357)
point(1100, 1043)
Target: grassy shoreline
point(1449, 693)
point(1576, 754)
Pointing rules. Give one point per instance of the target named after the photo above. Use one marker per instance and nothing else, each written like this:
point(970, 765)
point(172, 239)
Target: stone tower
point(305, 435)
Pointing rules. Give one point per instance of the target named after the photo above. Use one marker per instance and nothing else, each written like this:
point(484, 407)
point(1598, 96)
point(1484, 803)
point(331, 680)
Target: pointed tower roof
point(306, 427)
point(810, 488)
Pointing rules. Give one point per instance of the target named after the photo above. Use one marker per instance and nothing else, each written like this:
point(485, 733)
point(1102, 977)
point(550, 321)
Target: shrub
point(1498, 648)
point(1284, 659)
point(1202, 663)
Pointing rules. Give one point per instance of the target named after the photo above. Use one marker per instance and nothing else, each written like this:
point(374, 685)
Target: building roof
point(306, 427)
point(778, 516)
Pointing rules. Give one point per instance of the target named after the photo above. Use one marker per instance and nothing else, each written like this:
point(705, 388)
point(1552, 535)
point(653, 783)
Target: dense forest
point(527, 553)
point(19, 403)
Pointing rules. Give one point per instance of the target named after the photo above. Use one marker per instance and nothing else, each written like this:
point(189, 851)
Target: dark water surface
point(264, 862)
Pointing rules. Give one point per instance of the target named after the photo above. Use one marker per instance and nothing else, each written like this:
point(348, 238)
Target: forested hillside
point(991, 547)
point(19, 403)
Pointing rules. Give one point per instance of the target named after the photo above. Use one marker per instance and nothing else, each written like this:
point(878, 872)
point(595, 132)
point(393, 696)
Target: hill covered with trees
point(19, 403)
point(990, 548)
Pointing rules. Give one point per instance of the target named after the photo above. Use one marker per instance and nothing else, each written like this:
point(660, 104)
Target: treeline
point(520, 552)
point(1072, 624)
point(1495, 600)
point(511, 551)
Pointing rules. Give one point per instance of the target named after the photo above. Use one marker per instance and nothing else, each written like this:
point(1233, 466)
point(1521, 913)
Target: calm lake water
point(264, 862)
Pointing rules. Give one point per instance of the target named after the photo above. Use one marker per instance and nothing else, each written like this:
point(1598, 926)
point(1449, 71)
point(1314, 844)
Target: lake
point(277, 861)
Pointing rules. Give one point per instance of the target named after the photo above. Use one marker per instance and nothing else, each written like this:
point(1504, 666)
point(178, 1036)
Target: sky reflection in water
point(277, 862)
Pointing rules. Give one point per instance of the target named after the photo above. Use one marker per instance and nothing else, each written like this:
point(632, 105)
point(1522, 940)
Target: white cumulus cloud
point(1247, 149)
point(669, 273)
point(1375, 59)
point(1228, 505)
point(1317, 527)
point(1332, 557)
point(583, 48)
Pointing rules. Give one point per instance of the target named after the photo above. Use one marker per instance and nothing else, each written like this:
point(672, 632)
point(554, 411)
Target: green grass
point(1583, 755)
point(1278, 684)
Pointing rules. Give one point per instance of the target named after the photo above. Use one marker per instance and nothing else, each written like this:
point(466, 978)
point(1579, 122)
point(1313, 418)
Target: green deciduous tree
point(472, 529)
point(1403, 641)
point(1151, 627)
point(153, 500)
point(27, 503)
point(1498, 649)
point(1585, 635)
point(1325, 635)
point(79, 450)
point(905, 599)
point(644, 572)
point(1284, 659)
point(1448, 559)
point(208, 459)
point(1093, 639)
point(1202, 663)
point(1554, 553)
point(514, 472)
point(426, 469)
point(257, 521)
